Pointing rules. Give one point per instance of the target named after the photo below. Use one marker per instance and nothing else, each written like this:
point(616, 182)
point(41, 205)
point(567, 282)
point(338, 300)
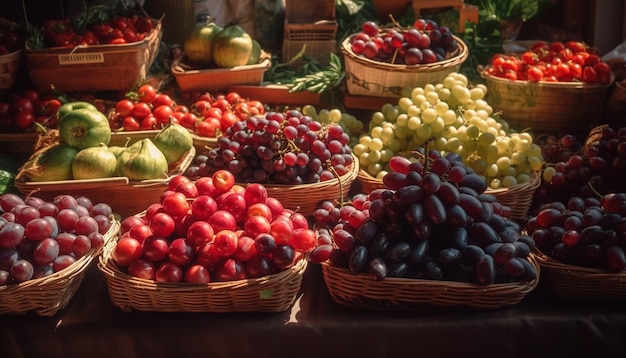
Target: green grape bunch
point(452, 116)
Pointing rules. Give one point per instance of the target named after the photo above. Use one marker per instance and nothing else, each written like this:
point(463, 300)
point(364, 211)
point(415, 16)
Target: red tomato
point(222, 104)
point(208, 127)
point(576, 71)
point(602, 68)
point(529, 58)
point(557, 46)
point(256, 107)
point(563, 72)
point(163, 99)
point(534, 74)
point(23, 104)
point(141, 110)
point(233, 97)
point(124, 107)
point(163, 113)
point(189, 120)
point(227, 120)
point(52, 106)
point(31, 94)
point(130, 124)
point(149, 122)
point(24, 120)
point(147, 93)
point(590, 75)
point(576, 46)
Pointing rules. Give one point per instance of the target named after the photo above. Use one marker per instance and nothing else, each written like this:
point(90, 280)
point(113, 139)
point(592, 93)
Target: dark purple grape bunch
point(431, 221)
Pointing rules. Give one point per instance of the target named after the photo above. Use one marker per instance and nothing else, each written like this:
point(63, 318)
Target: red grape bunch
point(433, 220)
point(587, 232)
point(284, 148)
point(39, 238)
point(423, 43)
point(578, 169)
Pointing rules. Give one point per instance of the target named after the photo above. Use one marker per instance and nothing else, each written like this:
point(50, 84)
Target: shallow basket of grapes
point(373, 77)
point(547, 106)
point(271, 293)
point(49, 294)
point(126, 197)
point(360, 291)
point(518, 197)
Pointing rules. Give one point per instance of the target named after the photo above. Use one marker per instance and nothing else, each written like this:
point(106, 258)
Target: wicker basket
point(518, 197)
point(581, 283)
point(203, 143)
point(306, 197)
point(362, 292)
point(273, 293)
point(47, 295)
point(125, 197)
point(373, 78)
point(109, 67)
point(218, 79)
point(10, 65)
point(547, 106)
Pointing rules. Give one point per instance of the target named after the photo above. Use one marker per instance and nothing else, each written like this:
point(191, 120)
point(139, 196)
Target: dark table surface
point(541, 325)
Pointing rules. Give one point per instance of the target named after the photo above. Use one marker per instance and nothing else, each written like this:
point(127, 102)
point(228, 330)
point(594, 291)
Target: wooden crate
point(305, 11)
point(318, 37)
point(219, 79)
point(94, 68)
point(10, 65)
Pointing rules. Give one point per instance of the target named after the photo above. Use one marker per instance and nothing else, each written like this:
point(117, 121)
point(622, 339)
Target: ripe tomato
point(557, 46)
point(576, 71)
point(148, 122)
point(233, 97)
point(189, 120)
point(147, 93)
point(534, 74)
point(208, 127)
point(23, 104)
point(590, 75)
point(529, 58)
point(141, 110)
point(576, 46)
point(256, 107)
point(130, 124)
point(227, 120)
point(222, 104)
point(124, 107)
point(163, 114)
point(52, 106)
point(163, 99)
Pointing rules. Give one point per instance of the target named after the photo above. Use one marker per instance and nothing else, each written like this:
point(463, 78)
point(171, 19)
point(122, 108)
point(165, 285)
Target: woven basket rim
point(26, 187)
point(545, 84)
point(455, 60)
point(447, 285)
point(573, 270)
point(178, 71)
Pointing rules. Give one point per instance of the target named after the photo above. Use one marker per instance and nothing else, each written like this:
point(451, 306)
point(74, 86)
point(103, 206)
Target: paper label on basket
point(266, 294)
point(81, 58)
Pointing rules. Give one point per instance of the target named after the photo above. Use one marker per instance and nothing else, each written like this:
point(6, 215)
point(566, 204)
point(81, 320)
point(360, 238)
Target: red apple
point(245, 249)
point(230, 270)
point(205, 187)
point(169, 272)
point(152, 210)
point(140, 232)
point(162, 225)
point(260, 209)
point(236, 204)
point(256, 225)
point(176, 204)
point(303, 240)
point(188, 188)
point(126, 251)
point(275, 205)
point(177, 180)
point(208, 256)
point(282, 229)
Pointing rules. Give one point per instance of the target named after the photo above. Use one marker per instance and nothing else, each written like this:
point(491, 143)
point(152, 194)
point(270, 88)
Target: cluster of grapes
point(455, 118)
point(283, 148)
point(432, 221)
point(583, 168)
point(423, 43)
point(39, 238)
point(587, 232)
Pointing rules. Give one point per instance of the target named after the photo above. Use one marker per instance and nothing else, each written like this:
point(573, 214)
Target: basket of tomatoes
point(549, 86)
point(100, 50)
point(11, 52)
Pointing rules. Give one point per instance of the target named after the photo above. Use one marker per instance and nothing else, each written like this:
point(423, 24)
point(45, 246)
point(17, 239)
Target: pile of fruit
point(455, 118)
point(423, 43)
point(103, 29)
point(11, 37)
point(571, 61)
point(583, 166)
point(82, 151)
point(212, 230)
point(433, 221)
point(283, 148)
point(39, 238)
point(20, 110)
